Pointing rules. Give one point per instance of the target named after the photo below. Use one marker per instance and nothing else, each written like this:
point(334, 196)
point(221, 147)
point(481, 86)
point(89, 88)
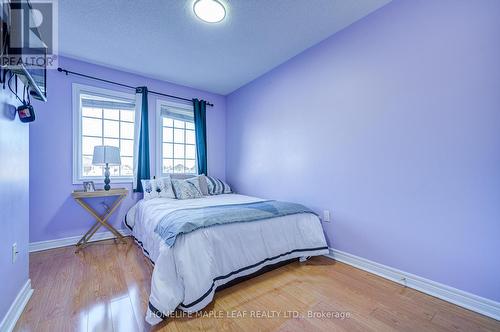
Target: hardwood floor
point(105, 287)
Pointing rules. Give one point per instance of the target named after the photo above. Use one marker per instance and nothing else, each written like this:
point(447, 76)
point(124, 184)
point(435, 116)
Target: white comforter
point(187, 274)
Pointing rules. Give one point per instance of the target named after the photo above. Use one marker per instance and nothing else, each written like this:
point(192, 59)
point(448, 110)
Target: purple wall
point(53, 212)
point(393, 124)
point(14, 200)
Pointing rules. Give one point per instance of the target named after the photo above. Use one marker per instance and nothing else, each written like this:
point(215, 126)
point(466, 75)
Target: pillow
point(150, 189)
point(217, 187)
point(187, 189)
point(203, 184)
point(164, 187)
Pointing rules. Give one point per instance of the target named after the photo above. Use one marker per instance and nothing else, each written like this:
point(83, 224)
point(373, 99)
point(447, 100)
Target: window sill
point(100, 181)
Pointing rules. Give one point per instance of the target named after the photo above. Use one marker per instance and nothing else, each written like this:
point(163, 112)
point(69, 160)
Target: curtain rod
point(67, 72)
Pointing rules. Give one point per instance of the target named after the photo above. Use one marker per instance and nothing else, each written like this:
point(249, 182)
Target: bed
point(188, 270)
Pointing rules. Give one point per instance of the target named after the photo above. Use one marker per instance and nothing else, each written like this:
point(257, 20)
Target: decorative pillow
point(203, 184)
point(164, 187)
point(187, 189)
point(217, 187)
point(150, 189)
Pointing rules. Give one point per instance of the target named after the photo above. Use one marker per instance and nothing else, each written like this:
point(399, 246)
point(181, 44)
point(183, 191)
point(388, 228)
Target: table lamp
point(105, 155)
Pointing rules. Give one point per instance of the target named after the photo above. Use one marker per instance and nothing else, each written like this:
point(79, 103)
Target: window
point(176, 138)
point(102, 117)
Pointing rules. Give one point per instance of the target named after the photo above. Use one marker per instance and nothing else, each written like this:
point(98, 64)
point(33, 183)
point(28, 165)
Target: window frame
point(77, 90)
point(159, 136)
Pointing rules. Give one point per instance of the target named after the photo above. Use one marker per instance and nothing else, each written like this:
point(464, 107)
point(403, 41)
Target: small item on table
point(88, 186)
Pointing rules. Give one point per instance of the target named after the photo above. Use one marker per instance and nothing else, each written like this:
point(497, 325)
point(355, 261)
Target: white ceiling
point(164, 40)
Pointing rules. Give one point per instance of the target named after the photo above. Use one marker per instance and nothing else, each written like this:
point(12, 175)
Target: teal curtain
point(200, 124)
point(141, 139)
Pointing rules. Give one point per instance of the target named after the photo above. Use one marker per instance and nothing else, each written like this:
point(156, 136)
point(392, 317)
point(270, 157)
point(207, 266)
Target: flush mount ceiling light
point(211, 11)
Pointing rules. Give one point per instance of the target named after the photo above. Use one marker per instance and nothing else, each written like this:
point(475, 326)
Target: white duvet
point(187, 274)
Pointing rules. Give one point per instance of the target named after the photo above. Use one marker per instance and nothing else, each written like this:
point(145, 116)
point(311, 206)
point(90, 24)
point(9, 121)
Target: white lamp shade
point(104, 154)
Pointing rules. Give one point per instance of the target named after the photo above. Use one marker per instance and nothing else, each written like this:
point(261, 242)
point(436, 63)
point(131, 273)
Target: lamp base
point(106, 178)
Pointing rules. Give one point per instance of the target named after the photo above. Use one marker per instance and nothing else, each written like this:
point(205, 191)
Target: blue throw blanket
point(187, 220)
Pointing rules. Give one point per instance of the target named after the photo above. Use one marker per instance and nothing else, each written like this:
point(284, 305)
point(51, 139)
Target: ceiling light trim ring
point(209, 11)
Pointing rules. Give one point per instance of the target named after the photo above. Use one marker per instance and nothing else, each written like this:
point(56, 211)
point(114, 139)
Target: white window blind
point(177, 139)
point(102, 117)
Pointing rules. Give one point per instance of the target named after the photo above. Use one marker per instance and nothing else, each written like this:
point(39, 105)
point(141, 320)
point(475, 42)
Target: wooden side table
point(101, 220)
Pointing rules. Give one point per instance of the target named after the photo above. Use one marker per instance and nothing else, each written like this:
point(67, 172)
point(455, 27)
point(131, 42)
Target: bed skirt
point(155, 316)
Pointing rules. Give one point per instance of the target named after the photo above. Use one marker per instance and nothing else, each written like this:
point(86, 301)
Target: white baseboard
point(70, 241)
point(16, 309)
point(467, 300)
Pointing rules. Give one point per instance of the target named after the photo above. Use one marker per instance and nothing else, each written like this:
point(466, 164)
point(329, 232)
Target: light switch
point(326, 216)
point(14, 252)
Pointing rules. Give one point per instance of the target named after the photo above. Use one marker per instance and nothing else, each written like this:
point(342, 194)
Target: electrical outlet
point(326, 216)
point(14, 252)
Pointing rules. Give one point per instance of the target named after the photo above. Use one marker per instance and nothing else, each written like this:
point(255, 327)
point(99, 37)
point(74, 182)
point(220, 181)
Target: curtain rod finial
point(59, 69)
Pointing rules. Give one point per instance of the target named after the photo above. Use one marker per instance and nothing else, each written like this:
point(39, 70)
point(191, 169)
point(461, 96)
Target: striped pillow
point(217, 187)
